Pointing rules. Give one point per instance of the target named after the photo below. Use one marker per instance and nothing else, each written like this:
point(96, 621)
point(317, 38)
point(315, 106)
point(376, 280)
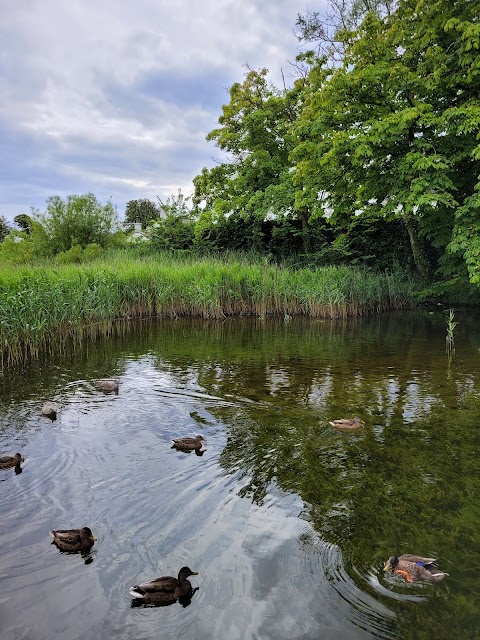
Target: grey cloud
point(117, 98)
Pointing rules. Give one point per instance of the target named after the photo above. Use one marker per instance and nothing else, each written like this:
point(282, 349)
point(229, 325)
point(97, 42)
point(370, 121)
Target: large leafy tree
point(254, 180)
point(393, 129)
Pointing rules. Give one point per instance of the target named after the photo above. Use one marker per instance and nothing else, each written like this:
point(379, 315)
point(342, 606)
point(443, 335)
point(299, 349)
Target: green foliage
point(21, 247)
point(24, 222)
point(171, 232)
point(142, 210)
point(4, 228)
point(71, 256)
point(390, 131)
point(78, 220)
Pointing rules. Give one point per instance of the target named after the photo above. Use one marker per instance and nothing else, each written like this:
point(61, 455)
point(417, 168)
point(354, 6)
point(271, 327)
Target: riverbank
point(40, 306)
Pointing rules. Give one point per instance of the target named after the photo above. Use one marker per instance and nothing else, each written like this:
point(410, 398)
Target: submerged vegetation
point(43, 307)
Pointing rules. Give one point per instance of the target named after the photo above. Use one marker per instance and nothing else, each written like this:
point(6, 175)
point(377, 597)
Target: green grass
point(43, 307)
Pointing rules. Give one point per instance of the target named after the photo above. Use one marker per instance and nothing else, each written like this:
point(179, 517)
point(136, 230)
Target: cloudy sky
point(116, 97)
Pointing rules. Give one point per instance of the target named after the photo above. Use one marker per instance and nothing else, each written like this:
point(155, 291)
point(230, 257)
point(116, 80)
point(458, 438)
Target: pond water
point(287, 520)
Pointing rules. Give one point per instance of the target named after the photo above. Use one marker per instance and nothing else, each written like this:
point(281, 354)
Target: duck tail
point(439, 576)
point(52, 533)
point(136, 593)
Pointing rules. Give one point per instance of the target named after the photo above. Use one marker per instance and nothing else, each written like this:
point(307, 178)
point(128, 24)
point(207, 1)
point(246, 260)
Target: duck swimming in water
point(189, 444)
point(347, 423)
point(73, 539)
point(108, 385)
point(10, 461)
point(415, 568)
point(50, 410)
point(164, 590)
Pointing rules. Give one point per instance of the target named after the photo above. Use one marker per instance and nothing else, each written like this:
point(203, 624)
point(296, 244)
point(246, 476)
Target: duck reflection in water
point(165, 591)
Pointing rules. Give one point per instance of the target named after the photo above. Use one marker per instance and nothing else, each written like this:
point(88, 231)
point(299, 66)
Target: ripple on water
point(107, 463)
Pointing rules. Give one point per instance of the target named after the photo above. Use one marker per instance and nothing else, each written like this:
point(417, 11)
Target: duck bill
point(194, 573)
point(388, 566)
point(92, 538)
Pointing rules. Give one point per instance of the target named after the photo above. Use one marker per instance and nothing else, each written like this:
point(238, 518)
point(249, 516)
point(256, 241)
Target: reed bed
point(44, 308)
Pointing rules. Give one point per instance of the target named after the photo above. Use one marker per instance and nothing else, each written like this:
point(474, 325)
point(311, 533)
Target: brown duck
point(108, 385)
point(415, 568)
point(10, 461)
point(189, 444)
point(347, 423)
point(50, 410)
point(73, 539)
point(166, 589)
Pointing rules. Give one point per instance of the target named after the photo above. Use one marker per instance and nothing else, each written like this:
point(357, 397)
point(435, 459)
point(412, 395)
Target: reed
point(44, 308)
point(450, 337)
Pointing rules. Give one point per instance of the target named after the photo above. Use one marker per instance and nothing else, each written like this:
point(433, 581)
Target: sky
point(116, 98)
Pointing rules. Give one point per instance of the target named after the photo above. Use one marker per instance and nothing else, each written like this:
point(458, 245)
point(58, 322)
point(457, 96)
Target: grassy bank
point(42, 307)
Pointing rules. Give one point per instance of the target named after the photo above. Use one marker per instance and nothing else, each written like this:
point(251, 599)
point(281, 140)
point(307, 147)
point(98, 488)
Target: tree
point(393, 129)
point(254, 181)
point(4, 228)
point(24, 222)
point(142, 210)
point(78, 220)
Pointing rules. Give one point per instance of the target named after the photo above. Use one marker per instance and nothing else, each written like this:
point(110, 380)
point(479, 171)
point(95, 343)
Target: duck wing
point(67, 536)
point(420, 560)
point(8, 461)
point(186, 443)
point(166, 584)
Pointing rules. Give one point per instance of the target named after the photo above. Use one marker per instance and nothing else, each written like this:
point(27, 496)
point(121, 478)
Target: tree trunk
point(305, 230)
point(418, 253)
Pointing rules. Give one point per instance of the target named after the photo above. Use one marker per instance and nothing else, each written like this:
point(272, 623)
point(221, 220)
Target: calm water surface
point(287, 521)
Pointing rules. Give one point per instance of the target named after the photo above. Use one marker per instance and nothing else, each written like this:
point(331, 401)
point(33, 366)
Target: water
point(287, 520)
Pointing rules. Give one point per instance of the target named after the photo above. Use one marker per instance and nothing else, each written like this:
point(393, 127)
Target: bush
point(78, 220)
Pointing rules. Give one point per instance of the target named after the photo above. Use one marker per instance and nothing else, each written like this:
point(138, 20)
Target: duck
point(189, 444)
point(414, 568)
point(347, 423)
point(166, 589)
point(11, 461)
point(49, 409)
point(108, 385)
point(73, 539)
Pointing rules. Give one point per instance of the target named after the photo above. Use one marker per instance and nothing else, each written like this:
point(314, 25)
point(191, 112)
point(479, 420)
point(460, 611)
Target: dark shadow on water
point(185, 601)
point(87, 556)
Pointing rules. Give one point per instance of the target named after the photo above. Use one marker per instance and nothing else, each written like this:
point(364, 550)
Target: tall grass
point(42, 308)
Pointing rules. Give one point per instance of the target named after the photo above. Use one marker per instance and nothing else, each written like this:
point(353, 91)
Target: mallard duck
point(49, 409)
point(108, 385)
point(10, 461)
point(73, 539)
point(189, 444)
point(166, 589)
point(346, 423)
point(413, 568)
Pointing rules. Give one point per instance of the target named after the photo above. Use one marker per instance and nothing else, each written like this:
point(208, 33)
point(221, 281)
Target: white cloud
point(116, 97)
